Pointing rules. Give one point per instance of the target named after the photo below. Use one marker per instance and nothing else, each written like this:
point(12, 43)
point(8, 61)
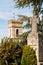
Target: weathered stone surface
point(36, 41)
point(14, 25)
point(40, 48)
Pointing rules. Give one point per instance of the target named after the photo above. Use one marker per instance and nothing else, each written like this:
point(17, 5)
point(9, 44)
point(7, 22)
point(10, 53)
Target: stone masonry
point(14, 29)
point(34, 40)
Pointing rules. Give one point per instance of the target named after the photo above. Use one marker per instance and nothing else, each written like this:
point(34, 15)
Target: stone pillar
point(32, 38)
point(33, 21)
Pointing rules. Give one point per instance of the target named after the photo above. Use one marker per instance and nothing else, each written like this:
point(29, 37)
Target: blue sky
point(7, 10)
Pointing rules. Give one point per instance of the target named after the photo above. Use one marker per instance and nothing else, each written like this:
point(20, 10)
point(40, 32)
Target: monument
point(35, 40)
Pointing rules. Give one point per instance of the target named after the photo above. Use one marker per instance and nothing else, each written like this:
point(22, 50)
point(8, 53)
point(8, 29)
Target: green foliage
point(11, 51)
point(25, 19)
point(37, 4)
point(28, 23)
point(24, 39)
point(37, 10)
point(2, 61)
point(28, 56)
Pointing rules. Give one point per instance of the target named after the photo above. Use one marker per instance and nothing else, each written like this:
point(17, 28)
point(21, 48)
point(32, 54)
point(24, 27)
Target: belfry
point(14, 28)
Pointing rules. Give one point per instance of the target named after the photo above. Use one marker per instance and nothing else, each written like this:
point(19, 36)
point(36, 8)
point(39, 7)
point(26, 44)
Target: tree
point(24, 38)
point(37, 9)
point(28, 56)
point(25, 19)
point(11, 51)
point(37, 5)
point(2, 61)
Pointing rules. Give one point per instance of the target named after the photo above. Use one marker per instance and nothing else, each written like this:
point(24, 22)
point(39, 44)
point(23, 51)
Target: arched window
point(16, 32)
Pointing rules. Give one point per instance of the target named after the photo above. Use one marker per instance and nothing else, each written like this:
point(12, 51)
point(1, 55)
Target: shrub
point(28, 56)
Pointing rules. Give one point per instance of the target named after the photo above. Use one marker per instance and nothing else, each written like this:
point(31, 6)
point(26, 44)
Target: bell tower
point(14, 28)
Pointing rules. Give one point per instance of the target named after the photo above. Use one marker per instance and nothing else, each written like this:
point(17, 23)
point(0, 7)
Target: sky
point(7, 12)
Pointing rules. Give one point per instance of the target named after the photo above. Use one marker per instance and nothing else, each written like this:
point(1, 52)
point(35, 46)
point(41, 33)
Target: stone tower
point(35, 40)
point(14, 28)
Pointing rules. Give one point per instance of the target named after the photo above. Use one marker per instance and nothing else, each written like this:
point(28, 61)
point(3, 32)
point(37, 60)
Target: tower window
point(16, 32)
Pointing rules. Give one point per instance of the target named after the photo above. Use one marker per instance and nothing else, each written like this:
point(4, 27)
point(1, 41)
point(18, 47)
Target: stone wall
point(35, 40)
point(40, 48)
point(13, 25)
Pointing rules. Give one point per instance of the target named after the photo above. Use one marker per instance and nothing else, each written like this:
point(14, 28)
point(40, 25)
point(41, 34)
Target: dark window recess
point(16, 32)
